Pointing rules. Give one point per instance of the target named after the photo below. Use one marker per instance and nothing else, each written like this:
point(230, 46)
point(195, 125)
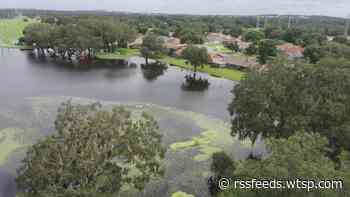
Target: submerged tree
point(39, 35)
point(196, 56)
point(152, 46)
point(92, 154)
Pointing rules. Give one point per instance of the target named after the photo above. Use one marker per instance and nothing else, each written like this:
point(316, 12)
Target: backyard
point(12, 29)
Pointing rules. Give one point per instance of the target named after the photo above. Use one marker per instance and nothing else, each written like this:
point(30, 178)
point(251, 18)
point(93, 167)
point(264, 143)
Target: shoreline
point(226, 73)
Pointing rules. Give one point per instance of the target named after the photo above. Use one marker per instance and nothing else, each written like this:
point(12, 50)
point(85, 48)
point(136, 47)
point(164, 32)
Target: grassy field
point(11, 30)
point(220, 48)
point(226, 73)
point(119, 54)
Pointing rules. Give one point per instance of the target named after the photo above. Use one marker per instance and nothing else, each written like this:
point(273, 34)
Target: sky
point(340, 8)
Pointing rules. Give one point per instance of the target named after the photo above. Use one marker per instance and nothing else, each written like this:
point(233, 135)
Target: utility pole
point(257, 21)
point(346, 33)
point(279, 20)
point(289, 21)
point(265, 21)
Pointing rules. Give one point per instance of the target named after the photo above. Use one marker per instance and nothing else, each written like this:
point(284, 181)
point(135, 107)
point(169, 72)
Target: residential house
point(229, 60)
point(174, 46)
point(291, 51)
point(218, 38)
point(137, 43)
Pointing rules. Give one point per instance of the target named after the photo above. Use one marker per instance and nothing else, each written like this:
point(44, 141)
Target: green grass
point(226, 73)
point(122, 53)
point(11, 30)
point(218, 48)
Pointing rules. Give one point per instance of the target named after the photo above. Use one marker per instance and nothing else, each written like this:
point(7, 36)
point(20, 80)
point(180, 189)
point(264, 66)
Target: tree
point(313, 39)
point(341, 39)
point(336, 50)
point(253, 35)
point(273, 32)
point(293, 35)
point(38, 34)
point(313, 53)
point(196, 56)
point(266, 50)
point(302, 156)
point(234, 31)
point(233, 46)
point(251, 50)
point(222, 164)
point(125, 34)
point(294, 96)
point(191, 33)
point(152, 47)
point(94, 153)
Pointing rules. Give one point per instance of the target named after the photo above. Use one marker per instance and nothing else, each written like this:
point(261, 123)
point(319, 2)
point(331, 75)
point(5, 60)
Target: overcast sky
point(235, 7)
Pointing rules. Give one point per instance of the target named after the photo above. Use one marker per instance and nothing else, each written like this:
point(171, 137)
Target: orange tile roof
point(291, 49)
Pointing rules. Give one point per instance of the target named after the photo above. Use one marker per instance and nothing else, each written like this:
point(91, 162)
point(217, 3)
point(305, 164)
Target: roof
point(228, 59)
point(291, 50)
point(172, 42)
point(218, 37)
point(138, 41)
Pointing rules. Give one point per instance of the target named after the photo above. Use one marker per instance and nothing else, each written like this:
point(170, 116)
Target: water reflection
point(26, 76)
point(152, 71)
point(23, 75)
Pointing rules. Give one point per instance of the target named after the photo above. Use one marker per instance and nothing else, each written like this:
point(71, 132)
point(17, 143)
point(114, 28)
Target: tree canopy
point(94, 153)
point(196, 56)
point(81, 38)
point(294, 96)
point(302, 156)
point(266, 50)
point(152, 46)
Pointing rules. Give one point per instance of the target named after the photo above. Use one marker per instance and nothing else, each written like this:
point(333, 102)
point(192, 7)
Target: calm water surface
point(23, 76)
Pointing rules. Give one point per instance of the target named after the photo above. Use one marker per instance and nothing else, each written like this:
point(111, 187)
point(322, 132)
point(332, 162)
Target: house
point(291, 51)
point(137, 43)
point(174, 46)
point(218, 38)
point(229, 60)
point(171, 42)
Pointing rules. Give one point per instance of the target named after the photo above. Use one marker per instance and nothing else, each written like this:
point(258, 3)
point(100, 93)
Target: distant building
point(137, 43)
point(291, 51)
point(228, 60)
point(174, 46)
point(218, 38)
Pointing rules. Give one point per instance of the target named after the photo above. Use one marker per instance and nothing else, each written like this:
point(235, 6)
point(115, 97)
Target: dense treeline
point(302, 113)
point(83, 35)
point(233, 25)
point(79, 37)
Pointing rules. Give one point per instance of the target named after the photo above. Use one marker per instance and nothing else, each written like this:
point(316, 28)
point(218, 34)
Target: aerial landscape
point(175, 98)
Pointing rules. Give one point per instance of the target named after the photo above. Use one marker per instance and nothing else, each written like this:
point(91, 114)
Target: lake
point(40, 85)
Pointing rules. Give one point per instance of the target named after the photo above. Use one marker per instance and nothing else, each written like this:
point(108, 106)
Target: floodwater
point(24, 76)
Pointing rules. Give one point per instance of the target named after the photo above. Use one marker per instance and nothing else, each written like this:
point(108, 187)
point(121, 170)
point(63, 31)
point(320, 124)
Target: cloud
point(234, 7)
